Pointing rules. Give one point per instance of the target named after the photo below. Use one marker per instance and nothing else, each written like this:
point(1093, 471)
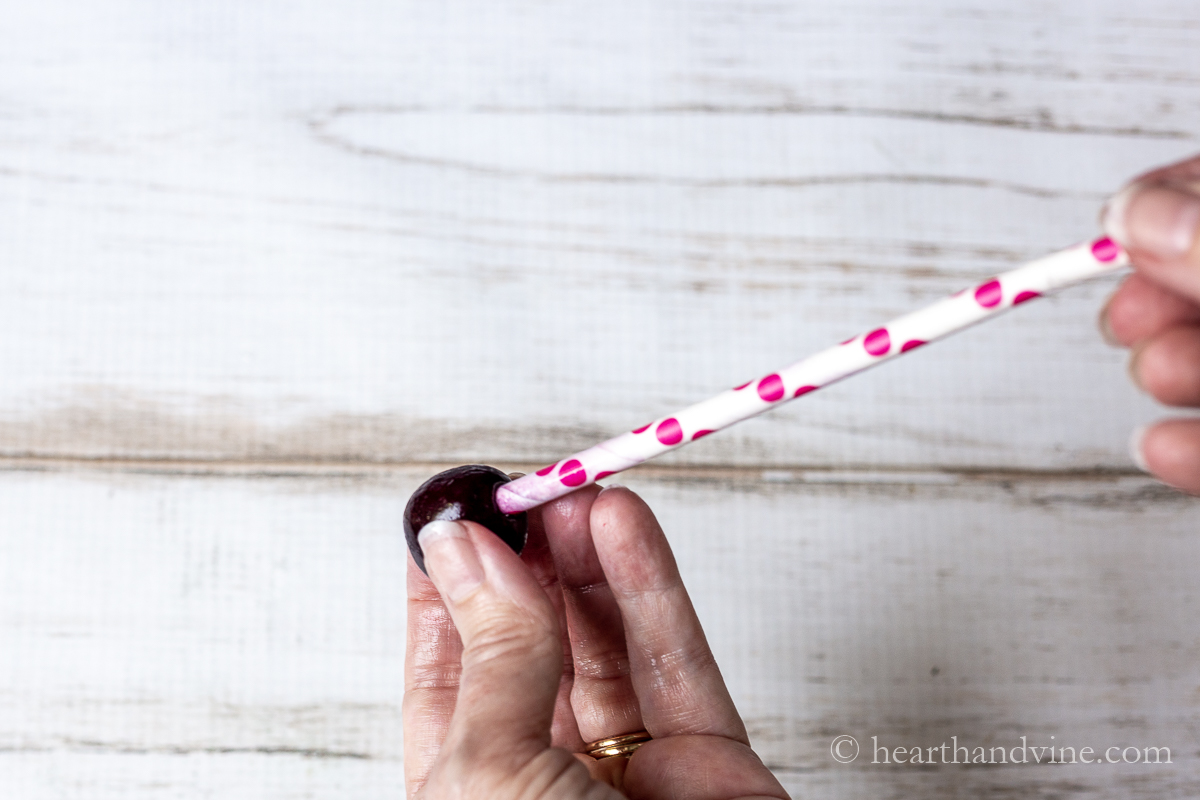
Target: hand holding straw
point(962, 310)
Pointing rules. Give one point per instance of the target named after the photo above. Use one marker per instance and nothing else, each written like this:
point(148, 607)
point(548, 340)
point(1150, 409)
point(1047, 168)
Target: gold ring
point(622, 745)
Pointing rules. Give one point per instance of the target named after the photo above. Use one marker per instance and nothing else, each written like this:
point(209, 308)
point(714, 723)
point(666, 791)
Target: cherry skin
point(466, 493)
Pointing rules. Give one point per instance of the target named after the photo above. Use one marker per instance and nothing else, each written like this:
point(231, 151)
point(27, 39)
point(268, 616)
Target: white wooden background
point(265, 266)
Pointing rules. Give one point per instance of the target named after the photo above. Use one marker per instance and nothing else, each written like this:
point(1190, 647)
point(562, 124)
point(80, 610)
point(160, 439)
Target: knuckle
point(555, 773)
point(435, 676)
point(507, 637)
point(604, 665)
point(675, 672)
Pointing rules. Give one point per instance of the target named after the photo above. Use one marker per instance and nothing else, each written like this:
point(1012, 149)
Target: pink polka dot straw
point(944, 317)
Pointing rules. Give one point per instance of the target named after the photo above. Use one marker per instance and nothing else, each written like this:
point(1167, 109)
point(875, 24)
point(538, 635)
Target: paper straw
point(874, 347)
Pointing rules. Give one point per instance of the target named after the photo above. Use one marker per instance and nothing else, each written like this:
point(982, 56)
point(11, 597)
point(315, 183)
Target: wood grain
point(500, 232)
point(171, 634)
point(264, 267)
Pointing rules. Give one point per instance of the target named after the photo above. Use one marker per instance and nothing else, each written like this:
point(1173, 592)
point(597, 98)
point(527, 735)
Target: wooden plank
point(1048, 65)
point(239, 630)
point(105, 775)
point(505, 231)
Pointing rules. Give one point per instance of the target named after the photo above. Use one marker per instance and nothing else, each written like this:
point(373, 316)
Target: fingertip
point(1159, 219)
point(1134, 367)
point(1135, 448)
point(1156, 218)
point(619, 493)
point(1141, 308)
point(569, 533)
point(1104, 324)
point(569, 509)
point(464, 558)
point(615, 490)
point(451, 558)
point(1167, 367)
point(630, 542)
point(508, 579)
point(1114, 214)
point(611, 504)
point(1171, 451)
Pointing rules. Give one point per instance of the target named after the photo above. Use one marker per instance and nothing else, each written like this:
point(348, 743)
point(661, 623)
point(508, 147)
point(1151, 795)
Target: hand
point(1156, 311)
point(494, 714)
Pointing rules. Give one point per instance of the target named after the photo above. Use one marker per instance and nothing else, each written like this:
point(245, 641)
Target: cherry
point(466, 493)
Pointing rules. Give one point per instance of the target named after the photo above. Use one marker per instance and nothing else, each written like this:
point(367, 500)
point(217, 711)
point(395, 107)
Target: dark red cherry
point(467, 493)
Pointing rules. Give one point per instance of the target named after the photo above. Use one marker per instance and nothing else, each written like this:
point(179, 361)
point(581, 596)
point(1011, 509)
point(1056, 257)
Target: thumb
point(512, 652)
point(1158, 222)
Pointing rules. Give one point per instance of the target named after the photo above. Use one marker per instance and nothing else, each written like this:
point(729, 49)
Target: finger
point(1158, 223)
point(609, 771)
point(1171, 450)
point(699, 768)
point(432, 663)
point(1168, 366)
point(512, 653)
point(564, 732)
point(1185, 171)
point(603, 698)
point(1141, 309)
point(678, 684)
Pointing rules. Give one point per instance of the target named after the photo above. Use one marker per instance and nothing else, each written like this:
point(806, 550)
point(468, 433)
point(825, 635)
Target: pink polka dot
point(848, 341)
point(878, 342)
point(770, 388)
point(743, 386)
point(989, 294)
point(1105, 249)
point(601, 476)
point(803, 390)
point(700, 434)
point(1025, 297)
point(911, 344)
point(644, 428)
point(544, 471)
point(669, 431)
point(572, 473)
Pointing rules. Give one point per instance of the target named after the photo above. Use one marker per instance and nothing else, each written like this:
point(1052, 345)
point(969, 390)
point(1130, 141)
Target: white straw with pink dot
point(944, 317)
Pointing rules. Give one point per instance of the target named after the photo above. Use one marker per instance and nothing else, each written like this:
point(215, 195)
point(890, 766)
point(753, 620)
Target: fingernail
point(1134, 374)
point(613, 486)
point(1135, 448)
point(1105, 326)
point(450, 558)
point(1158, 219)
point(1112, 216)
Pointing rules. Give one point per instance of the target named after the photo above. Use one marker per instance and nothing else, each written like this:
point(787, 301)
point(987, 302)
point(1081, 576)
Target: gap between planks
point(736, 474)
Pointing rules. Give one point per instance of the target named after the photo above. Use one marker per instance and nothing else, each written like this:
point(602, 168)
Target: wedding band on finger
point(622, 745)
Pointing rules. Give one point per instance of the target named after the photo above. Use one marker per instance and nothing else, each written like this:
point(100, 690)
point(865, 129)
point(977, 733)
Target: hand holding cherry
point(493, 709)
